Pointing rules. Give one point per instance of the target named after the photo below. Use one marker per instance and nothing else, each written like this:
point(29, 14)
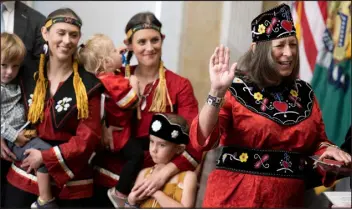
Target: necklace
point(144, 96)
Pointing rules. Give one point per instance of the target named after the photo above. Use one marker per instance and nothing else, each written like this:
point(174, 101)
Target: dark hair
point(179, 120)
point(138, 19)
point(63, 12)
point(259, 66)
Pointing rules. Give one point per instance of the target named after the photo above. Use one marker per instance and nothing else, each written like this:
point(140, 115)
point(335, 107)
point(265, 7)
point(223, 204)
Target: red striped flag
point(310, 22)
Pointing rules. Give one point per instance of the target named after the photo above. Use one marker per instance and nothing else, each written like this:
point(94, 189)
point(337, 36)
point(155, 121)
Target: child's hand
point(135, 197)
point(21, 139)
point(121, 50)
point(134, 83)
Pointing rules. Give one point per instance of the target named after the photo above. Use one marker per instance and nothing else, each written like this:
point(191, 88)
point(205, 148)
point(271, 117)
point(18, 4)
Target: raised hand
point(221, 76)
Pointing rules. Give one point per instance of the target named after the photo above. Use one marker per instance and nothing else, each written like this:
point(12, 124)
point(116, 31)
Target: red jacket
point(73, 140)
point(119, 101)
point(184, 104)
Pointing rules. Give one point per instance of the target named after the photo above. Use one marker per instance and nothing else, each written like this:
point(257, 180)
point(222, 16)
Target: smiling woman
point(161, 90)
point(265, 120)
point(65, 112)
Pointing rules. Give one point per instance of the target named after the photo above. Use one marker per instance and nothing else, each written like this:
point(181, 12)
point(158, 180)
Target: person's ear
point(45, 33)
point(107, 63)
point(180, 149)
point(253, 45)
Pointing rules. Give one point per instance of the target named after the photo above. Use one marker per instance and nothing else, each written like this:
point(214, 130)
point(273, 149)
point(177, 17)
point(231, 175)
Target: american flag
point(310, 22)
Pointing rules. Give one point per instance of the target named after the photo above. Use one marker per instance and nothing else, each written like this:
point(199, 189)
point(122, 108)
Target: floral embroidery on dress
point(244, 157)
point(261, 161)
point(258, 96)
point(63, 104)
point(30, 100)
point(286, 164)
point(237, 80)
point(284, 105)
point(294, 93)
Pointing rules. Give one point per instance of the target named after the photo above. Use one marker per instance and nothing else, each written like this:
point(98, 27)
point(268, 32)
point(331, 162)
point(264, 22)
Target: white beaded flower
point(30, 100)
point(63, 104)
point(156, 125)
point(174, 134)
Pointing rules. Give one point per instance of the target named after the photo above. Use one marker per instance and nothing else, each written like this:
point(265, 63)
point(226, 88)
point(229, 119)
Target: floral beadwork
point(294, 93)
point(286, 164)
point(156, 125)
point(258, 96)
point(174, 134)
point(63, 104)
point(287, 105)
point(244, 157)
point(261, 29)
point(30, 100)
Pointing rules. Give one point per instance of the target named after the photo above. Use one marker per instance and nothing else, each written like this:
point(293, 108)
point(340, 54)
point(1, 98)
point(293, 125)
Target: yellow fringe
point(127, 71)
point(36, 109)
point(81, 93)
point(161, 93)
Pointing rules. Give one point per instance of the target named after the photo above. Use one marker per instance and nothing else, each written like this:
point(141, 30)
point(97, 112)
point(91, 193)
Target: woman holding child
point(160, 90)
point(63, 104)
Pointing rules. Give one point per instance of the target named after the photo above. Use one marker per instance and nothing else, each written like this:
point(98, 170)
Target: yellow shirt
point(173, 190)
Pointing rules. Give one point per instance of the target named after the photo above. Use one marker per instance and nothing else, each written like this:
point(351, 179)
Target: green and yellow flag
point(332, 74)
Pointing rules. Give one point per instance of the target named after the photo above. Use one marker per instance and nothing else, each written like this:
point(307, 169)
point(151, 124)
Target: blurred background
point(194, 28)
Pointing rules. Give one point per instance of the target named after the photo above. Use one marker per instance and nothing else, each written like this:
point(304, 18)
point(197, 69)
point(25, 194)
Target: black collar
point(64, 99)
point(284, 104)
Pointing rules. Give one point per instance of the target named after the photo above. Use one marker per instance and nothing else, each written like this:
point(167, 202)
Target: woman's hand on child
point(21, 139)
point(153, 183)
point(33, 161)
point(6, 153)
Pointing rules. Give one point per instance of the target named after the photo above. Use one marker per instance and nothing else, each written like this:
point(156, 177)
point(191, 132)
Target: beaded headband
point(142, 26)
point(69, 20)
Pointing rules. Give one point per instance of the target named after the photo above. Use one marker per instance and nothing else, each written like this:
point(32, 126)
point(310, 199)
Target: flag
point(310, 22)
point(332, 75)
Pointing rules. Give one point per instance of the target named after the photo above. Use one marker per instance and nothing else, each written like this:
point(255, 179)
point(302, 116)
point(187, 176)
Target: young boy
point(13, 119)
point(168, 138)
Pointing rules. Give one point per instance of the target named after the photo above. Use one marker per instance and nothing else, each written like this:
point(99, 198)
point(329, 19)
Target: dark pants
point(133, 153)
point(35, 143)
point(100, 198)
point(5, 165)
point(19, 199)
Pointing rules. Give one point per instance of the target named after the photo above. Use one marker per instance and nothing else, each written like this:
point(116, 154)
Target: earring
point(45, 48)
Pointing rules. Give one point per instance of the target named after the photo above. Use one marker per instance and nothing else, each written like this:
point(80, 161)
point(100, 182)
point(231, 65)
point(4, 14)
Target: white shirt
point(9, 16)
